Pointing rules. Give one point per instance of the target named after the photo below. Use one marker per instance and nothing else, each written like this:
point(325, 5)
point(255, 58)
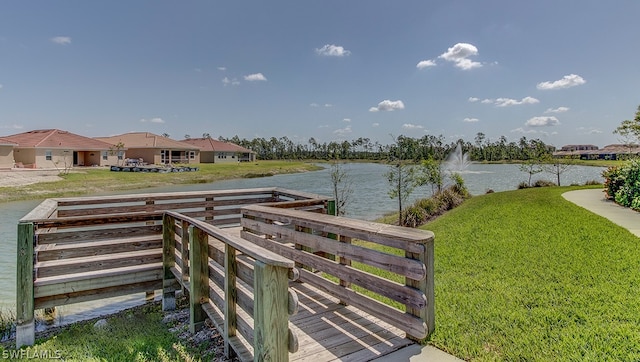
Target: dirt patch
point(16, 178)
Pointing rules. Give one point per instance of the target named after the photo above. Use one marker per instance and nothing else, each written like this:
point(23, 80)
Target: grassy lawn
point(527, 275)
point(91, 180)
point(134, 335)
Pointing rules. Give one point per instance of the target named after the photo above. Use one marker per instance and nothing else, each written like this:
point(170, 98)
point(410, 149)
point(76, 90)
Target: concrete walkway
point(594, 200)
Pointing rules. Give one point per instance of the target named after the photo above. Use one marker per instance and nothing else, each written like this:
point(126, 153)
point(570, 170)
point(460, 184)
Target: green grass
point(91, 180)
point(527, 275)
point(133, 335)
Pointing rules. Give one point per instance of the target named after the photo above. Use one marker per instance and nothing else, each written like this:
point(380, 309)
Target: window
point(105, 155)
point(120, 155)
point(47, 155)
point(192, 155)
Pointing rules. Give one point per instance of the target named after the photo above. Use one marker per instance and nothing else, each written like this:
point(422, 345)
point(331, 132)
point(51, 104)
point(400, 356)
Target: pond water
point(368, 201)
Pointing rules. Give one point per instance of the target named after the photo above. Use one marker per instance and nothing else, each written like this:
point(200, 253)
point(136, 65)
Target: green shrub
point(413, 216)
point(592, 182)
point(622, 184)
point(543, 183)
point(523, 185)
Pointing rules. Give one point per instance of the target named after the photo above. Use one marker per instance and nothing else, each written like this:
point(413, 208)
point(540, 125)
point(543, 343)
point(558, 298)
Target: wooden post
point(345, 261)
point(426, 285)
point(25, 323)
point(184, 252)
point(230, 299)
point(209, 209)
point(331, 207)
point(149, 294)
point(168, 262)
point(271, 317)
point(198, 277)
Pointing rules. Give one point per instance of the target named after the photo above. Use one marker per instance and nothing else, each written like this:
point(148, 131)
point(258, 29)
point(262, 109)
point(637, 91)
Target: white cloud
point(375, 124)
point(522, 130)
point(387, 105)
point(331, 50)
point(346, 120)
point(557, 110)
point(314, 105)
point(425, 64)
point(589, 130)
point(459, 54)
point(328, 105)
point(323, 126)
point(567, 81)
point(470, 120)
point(412, 126)
point(62, 40)
point(226, 81)
point(343, 131)
point(542, 121)
point(473, 99)
point(222, 68)
point(506, 102)
point(255, 77)
point(152, 120)
point(486, 101)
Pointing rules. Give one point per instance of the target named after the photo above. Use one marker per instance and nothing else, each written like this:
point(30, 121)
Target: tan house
point(6, 153)
point(154, 149)
point(591, 152)
point(214, 151)
point(49, 148)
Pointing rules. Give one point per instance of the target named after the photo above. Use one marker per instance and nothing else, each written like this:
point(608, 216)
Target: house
point(214, 151)
point(154, 149)
point(591, 152)
point(6, 153)
point(49, 148)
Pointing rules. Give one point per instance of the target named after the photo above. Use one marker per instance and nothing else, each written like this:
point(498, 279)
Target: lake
point(368, 201)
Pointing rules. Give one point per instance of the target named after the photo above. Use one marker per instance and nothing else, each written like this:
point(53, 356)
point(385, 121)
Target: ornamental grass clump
point(622, 184)
point(424, 210)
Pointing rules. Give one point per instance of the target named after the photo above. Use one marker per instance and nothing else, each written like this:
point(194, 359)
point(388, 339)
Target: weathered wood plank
point(270, 313)
point(427, 285)
point(25, 323)
point(94, 294)
point(400, 293)
point(122, 231)
point(393, 263)
point(168, 261)
point(52, 268)
point(97, 279)
point(198, 277)
point(390, 235)
point(230, 298)
point(94, 248)
point(44, 210)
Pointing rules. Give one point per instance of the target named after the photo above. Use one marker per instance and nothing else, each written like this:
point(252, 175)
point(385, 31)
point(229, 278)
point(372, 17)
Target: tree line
point(413, 149)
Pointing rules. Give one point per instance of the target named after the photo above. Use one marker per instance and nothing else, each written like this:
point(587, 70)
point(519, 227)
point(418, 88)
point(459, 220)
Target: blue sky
point(562, 71)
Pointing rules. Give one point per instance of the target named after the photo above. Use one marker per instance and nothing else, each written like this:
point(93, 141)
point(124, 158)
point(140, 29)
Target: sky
point(565, 72)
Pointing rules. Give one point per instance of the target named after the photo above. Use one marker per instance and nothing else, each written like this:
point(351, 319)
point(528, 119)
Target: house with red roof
point(154, 149)
point(49, 148)
point(214, 151)
point(6, 153)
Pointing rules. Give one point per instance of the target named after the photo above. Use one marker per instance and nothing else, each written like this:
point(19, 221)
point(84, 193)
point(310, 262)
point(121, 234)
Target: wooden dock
point(330, 331)
point(280, 277)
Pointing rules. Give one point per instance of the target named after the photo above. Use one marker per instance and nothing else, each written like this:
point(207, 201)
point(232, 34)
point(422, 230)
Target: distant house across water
point(215, 151)
point(154, 149)
point(49, 148)
point(6, 153)
point(591, 152)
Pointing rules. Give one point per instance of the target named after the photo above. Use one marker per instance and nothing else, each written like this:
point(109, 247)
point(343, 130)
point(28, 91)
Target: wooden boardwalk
point(329, 331)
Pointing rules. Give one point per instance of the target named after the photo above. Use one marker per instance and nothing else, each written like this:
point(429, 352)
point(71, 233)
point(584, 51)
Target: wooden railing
point(240, 286)
point(333, 245)
point(87, 248)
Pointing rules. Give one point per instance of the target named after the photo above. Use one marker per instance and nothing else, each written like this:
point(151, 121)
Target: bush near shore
point(622, 184)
